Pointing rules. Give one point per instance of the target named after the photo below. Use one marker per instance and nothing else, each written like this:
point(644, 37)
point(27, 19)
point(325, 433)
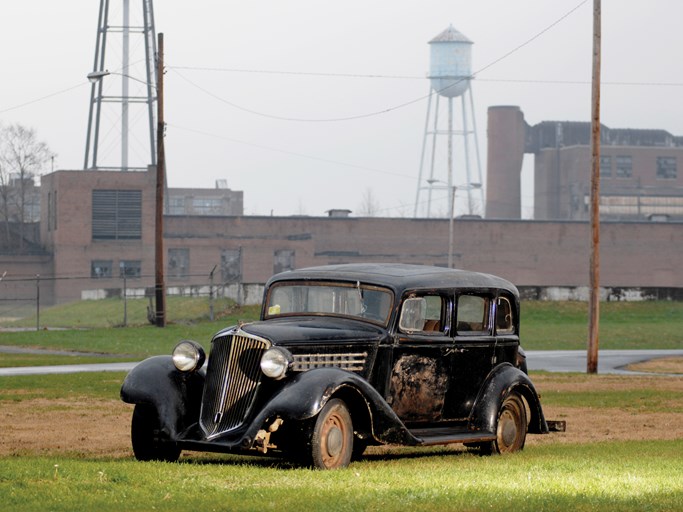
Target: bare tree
point(369, 205)
point(22, 158)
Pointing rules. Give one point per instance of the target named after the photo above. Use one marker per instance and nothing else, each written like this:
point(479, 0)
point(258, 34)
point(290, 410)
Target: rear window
point(472, 314)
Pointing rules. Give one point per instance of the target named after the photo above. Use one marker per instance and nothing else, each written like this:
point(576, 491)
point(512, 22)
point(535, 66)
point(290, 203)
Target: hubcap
point(334, 441)
point(509, 431)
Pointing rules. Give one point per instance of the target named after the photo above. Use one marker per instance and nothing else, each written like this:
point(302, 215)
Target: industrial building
point(639, 170)
point(97, 227)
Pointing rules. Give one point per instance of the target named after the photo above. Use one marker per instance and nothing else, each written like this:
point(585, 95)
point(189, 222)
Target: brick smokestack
point(506, 136)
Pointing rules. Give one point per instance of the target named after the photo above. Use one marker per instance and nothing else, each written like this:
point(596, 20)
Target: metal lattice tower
point(450, 77)
point(131, 83)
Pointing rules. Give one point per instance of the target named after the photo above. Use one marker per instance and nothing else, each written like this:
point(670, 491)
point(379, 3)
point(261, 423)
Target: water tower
point(121, 123)
point(443, 168)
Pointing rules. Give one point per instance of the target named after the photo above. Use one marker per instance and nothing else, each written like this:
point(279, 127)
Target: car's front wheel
point(332, 436)
point(147, 439)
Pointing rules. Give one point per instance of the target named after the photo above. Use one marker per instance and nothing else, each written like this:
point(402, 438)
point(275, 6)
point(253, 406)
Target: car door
point(420, 369)
point(472, 356)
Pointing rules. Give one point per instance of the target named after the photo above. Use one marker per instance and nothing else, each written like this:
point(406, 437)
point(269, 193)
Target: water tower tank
point(450, 65)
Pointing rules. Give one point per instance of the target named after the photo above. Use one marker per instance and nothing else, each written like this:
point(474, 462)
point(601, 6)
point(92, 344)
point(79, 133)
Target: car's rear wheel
point(512, 425)
point(332, 437)
point(147, 438)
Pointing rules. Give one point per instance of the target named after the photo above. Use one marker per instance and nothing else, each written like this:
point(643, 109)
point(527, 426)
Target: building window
point(176, 205)
point(130, 268)
point(100, 269)
point(207, 205)
point(52, 211)
point(231, 265)
point(283, 260)
point(116, 214)
point(624, 167)
point(605, 166)
point(666, 168)
point(178, 263)
point(49, 211)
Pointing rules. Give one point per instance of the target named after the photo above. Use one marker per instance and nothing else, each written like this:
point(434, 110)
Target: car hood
point(315, 329)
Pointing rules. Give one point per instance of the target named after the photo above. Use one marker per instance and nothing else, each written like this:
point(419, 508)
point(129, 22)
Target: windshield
point(339, 299)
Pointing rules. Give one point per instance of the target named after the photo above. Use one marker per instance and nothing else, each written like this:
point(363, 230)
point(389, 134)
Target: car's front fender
point(176, 395)
point(503, 380)
point(306, 394)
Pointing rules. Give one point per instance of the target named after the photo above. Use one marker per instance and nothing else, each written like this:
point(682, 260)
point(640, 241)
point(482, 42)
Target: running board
point(429, 437)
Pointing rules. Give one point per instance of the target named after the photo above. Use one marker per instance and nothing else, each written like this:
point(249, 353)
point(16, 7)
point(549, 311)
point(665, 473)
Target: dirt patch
point(101, 428)
point(591, 424)
point(60, 427)
point(663, 365)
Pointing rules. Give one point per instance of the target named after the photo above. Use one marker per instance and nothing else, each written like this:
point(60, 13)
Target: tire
point(511, 425)
point(146, 437)
point(332, 437)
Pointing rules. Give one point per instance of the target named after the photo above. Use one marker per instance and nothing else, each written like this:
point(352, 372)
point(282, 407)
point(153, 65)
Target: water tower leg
point(422, 156)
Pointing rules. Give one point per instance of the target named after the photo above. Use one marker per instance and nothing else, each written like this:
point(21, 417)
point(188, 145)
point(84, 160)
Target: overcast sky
point(234, 68)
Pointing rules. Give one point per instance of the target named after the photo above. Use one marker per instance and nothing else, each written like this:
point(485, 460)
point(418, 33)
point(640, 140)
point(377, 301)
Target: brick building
point(97, 226)
point(639, 170)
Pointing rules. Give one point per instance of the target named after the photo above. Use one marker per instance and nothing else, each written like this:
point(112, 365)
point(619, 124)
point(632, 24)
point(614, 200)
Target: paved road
point(609, 361)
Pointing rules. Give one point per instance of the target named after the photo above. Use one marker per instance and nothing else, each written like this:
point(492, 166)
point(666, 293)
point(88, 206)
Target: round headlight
point(188, 356)
point(275, 362)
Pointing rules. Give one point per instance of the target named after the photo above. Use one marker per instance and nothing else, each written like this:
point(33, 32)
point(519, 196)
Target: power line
point(293, 73)
point(51, 95)
point(292, 153)
point(416, 77)
point(388, 109)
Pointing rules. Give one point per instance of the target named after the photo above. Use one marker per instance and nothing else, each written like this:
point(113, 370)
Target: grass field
point(65, 447)
point(633, 476)
point(65, 443)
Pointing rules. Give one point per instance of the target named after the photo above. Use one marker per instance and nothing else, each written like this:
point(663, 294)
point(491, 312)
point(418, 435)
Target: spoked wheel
point(512, 425)
point(332, 437)
point(148, 443)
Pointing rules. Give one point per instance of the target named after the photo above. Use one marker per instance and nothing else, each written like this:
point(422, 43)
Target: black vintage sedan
point(346, 356)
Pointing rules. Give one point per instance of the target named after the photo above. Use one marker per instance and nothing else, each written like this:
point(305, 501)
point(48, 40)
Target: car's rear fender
point(503, 380)
point(176, 395)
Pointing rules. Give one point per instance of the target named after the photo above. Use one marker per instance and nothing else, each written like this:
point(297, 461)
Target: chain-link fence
point(31, 296)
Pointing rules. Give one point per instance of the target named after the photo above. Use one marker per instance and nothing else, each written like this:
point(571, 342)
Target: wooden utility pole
point(594, 300)
point(159, 288)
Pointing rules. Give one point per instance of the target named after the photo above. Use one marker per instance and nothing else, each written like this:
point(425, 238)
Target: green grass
point(623, 325)
point(110, 313)
point(632, 476)
point(92, 386)
point(15, 360)
point(133, 342)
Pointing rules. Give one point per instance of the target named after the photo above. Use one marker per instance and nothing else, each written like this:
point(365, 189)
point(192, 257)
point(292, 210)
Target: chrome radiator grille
point(232, 379)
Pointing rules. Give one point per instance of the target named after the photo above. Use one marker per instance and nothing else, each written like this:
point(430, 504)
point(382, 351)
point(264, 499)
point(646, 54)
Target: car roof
point(399, 276)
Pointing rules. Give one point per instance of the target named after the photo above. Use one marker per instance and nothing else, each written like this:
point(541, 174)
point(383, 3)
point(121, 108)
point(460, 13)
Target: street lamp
point(96, 78)
point(451, 210)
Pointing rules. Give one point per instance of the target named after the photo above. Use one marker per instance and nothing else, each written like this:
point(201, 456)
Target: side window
point(504, 316)
point(473, 314)
point(424, 314)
